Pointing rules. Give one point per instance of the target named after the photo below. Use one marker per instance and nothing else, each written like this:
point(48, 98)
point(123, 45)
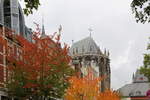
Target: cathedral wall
point(100, 67)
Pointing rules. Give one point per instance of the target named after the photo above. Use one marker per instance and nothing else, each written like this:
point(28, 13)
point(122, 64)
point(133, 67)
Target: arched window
point(131, 94)
point(91, 48)
point(76, 49)
point(82, 49)
point(73, 51)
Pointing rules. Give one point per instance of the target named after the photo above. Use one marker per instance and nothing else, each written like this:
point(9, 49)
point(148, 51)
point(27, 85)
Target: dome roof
point(85, 46)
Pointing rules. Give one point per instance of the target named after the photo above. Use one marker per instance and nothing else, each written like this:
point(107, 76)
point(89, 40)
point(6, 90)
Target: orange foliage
point(37, 59)
point(109, 95)
point(34, 65)
point(88, 88)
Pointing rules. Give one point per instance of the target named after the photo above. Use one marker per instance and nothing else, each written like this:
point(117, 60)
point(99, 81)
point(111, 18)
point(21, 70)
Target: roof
point(135, 89)
point(138, 87)
point(85, 46)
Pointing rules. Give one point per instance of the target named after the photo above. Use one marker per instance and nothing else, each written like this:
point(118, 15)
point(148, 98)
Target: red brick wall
point(1, 59)
point(1, 47)
point(1, 74)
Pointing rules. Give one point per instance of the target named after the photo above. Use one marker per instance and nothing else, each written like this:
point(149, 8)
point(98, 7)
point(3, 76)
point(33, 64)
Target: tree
point(146, 68)
point(109, 95)
point(88, 88)
point(37, 69)
point(141, 9)
point(30, 5)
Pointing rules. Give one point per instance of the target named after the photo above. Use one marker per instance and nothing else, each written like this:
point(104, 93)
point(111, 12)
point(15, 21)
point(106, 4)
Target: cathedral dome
point(86, 46)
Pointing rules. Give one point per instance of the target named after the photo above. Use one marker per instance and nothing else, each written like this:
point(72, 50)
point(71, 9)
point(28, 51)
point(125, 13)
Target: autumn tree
point(145, 69)
point(37, 69)
point(88, 88)
point(109, 95)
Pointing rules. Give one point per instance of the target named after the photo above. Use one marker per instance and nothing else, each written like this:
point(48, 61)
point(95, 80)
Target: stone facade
point(85, 53)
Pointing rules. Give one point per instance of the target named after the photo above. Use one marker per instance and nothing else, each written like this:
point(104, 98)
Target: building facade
point(11, 21)
point(85, 53)
point(137, 90)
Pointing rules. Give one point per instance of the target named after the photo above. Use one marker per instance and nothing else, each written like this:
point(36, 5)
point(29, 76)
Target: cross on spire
point(90, 30)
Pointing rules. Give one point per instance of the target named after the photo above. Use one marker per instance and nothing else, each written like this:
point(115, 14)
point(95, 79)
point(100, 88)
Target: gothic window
point(82, 49)
point(73, 51)
point(76, 49)
point(91, 48)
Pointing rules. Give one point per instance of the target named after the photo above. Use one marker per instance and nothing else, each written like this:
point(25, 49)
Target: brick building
point(11, 21)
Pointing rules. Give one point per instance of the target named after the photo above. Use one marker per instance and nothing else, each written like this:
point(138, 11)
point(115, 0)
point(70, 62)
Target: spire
point(60, 29)
point(108, 53)
point(133, 77)
point(105, 51)
point(72, 41)
point(43, 28)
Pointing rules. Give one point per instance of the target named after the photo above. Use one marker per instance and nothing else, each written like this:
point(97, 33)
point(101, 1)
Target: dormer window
point(138, 92)
point(131, 94)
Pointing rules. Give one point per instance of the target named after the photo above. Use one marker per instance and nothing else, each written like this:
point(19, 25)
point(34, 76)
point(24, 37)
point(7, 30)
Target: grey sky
point(114, 28)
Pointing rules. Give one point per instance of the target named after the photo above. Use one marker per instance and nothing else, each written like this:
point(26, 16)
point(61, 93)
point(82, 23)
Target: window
point(73, 51)
point(1, 73)
point(1, 59)
point(1, 30)
point(15, 50)
point(131, 94)
point(1, 48)
point(5, 98)
point(82, 49)
point(91, 48)
point(76, 49)
point(138, 92)
point(10, 47)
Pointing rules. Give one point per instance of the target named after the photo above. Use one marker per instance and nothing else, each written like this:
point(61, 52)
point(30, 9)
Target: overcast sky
point(114, 28)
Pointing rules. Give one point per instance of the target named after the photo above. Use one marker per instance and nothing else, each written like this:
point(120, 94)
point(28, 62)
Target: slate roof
point(138, 87)
point(135, 89)
point(85, 46)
